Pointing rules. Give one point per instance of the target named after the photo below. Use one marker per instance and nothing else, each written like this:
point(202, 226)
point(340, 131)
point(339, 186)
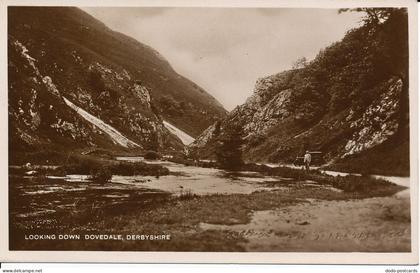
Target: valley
point(105, 137)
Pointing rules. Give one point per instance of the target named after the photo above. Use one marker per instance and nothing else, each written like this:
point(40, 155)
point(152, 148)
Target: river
point(183, 179)
point(201, 181)
point(372, 224)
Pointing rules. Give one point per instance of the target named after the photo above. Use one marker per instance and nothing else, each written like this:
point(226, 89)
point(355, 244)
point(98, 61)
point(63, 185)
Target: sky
point(225, 50)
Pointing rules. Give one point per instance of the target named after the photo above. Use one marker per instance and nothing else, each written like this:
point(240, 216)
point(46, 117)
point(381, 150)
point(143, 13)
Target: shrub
point(82, 165)
point(187, 195)
point(138, 168)
point(151, 155)
point(101, 175)
point(182, 160)
point(92, 166)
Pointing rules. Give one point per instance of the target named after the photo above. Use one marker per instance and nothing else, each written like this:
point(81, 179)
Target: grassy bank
point(94, 166)
point(351, 183)
point(366, 185)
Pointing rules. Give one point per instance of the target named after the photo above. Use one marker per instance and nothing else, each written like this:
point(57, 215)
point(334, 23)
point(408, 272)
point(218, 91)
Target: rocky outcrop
point(204, 139)
point(75, 83)
point(37, 113)
point(267, 118)
point(71, 46)
point(266, 108)
point(269, 114)
point(103, 101)
point(116, 136)
point(349, 103)
point(379, 122)
point(184, 137)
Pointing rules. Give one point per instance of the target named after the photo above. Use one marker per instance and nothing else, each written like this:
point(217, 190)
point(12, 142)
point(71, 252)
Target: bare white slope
point(184, 137)
point(116, 136)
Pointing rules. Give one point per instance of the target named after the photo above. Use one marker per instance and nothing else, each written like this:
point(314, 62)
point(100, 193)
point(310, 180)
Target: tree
point(373, 16)
point(101, 174)
point(216, 130)
point(229, 147)
point(153, 142)
point(300, 63)
point(170, 105)
point(385, 52)
point(96, 81)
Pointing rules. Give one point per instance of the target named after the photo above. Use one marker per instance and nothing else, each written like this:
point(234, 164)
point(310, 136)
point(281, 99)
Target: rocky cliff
point(75, 83)
point(350, 103)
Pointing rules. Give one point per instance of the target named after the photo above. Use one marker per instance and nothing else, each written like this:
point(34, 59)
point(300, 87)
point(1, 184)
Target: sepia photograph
point(271, 129)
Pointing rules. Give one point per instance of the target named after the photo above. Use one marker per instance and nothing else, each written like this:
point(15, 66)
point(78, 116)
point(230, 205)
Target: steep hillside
point(350, 102)
point(63, 53)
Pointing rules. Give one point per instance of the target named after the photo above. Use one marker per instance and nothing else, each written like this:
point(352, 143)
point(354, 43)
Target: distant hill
point(350, 103)
point(64, 53)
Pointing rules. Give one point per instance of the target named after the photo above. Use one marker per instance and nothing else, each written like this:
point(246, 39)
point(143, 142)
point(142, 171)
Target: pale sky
point(225, 50)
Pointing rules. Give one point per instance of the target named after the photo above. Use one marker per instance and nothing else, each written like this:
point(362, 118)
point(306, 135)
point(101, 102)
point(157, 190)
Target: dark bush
point(101, 175)
point(138, 168)
point(96, 81)
point(89, 165)
point(151, 155)
point(81, 165)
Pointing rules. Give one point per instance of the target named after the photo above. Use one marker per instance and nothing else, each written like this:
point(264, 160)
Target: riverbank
point(98, 168)
point(369, 185)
